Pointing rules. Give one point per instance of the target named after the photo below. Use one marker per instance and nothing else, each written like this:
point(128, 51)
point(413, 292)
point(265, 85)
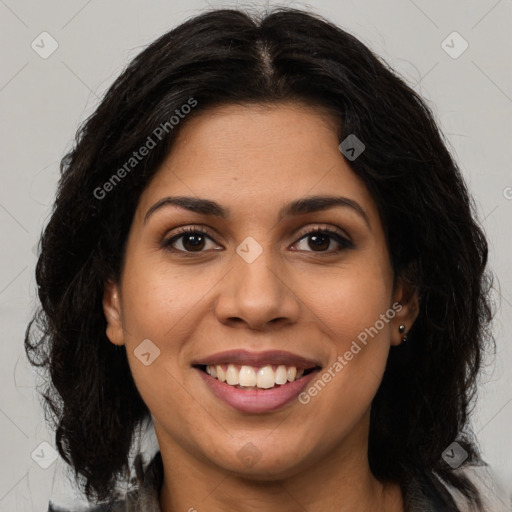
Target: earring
point(401, 329)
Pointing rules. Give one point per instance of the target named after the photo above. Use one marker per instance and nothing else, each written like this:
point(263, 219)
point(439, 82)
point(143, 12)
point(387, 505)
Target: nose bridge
point(256, 292)
point(256, 268)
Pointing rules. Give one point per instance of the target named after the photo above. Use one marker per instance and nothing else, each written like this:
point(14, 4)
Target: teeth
point(232, 375)
point(265, 378)
point(281, 374)
point(249, 377)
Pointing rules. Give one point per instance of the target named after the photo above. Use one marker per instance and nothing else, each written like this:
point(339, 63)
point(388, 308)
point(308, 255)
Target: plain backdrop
point(466, 78)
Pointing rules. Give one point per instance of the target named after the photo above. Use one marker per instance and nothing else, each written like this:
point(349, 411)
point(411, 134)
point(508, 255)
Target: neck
point(340, 480)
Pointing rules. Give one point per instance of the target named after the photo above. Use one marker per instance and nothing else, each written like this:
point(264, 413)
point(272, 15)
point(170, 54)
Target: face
point(304, 285)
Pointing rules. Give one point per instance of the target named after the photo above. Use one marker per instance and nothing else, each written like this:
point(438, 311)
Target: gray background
point(42, 102)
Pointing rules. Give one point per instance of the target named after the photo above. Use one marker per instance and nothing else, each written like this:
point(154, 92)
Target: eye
point(192, 239)
point(321, 238)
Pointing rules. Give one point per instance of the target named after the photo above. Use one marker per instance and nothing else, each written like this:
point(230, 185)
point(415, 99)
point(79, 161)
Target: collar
point(423, 492)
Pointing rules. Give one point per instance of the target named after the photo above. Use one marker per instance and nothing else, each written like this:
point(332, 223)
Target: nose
point(256, 295)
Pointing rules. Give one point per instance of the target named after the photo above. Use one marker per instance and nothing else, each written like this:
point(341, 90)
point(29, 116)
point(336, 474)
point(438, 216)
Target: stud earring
point(401, 329)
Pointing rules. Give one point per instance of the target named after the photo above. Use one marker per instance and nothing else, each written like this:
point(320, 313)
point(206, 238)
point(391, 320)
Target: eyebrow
point(309, 204)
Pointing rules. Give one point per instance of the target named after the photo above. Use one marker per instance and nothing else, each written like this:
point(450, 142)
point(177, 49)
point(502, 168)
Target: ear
point(112, 311)
point(406, 305)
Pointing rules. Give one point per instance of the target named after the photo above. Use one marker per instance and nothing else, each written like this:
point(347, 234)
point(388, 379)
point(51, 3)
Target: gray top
point(422, 493)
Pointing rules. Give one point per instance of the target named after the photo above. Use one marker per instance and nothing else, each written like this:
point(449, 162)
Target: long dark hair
point(231, 57)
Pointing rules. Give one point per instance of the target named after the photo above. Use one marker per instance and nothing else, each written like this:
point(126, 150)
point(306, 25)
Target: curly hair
point(230, 56)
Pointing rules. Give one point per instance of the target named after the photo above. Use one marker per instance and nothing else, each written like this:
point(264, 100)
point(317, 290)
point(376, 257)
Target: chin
point(263, 464)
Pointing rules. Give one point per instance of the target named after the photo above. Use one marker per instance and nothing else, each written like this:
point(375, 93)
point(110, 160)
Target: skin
point(295, 296)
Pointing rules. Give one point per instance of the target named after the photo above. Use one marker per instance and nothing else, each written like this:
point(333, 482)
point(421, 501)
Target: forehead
point(254, 156)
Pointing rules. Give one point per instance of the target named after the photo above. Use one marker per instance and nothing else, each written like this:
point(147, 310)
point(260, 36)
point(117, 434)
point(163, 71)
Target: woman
point(261, 245)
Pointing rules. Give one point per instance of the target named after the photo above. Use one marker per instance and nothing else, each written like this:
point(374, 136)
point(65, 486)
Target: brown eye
point(195, 240)
point(191, 240)
point(319, 240)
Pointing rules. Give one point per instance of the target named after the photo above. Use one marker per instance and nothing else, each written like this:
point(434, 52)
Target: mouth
point(256, 382)
point(253, 377)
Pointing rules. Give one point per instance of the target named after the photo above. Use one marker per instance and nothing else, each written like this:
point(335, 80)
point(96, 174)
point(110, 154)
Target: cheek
point(163, 305)
point(153, 309)
point(158, 300)
point(157, 315)
point(347, 301)
point(349, 308)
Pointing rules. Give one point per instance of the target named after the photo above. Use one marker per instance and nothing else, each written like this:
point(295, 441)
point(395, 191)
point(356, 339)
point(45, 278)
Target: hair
point(227, 57)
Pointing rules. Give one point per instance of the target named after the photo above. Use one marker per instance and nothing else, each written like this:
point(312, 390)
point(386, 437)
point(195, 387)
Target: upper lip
point(258, 359)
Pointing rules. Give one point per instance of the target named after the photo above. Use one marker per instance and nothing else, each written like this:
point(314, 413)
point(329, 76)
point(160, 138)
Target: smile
point(250, 377)
point(253, 399)
point(256, 382)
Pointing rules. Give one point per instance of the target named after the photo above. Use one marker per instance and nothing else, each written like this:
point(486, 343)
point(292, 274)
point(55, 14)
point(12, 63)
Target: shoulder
point(425, 491)
point(128, 504)
point(145, 498)
point(486, 481)
point(118, 506)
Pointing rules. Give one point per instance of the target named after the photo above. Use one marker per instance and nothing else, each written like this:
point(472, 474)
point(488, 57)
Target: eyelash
point(342, 241)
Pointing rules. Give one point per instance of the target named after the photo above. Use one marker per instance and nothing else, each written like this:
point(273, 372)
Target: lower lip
point(256, 400)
